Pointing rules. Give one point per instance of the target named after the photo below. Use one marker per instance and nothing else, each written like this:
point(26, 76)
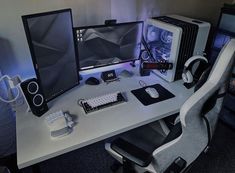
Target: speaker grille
point(38, 100)
point(32, 87)
point(34, 96)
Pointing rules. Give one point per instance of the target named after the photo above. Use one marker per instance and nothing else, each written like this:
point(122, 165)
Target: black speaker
point(34, 97)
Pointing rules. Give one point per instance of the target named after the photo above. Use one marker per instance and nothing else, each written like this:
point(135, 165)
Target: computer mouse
point(92, 81)
point(152, 92)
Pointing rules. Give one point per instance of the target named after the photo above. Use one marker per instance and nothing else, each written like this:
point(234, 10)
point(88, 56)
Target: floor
point(94, 159)
point(90, 159)
point(221, 156)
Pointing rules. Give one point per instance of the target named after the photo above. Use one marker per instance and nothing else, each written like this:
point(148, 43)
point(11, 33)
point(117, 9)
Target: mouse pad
point(145, 98)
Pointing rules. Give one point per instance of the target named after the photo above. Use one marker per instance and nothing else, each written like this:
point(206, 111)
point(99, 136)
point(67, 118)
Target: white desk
point(34, 143)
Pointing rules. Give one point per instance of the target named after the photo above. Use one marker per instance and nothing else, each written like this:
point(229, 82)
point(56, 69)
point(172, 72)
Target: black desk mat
point(146, 100)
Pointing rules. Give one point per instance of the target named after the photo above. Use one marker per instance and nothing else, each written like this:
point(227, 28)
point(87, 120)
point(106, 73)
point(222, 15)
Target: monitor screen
point(225, 32)
point(108, 44)
point(51, 41)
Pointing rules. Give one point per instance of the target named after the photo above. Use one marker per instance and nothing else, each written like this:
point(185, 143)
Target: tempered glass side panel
point(159, 42)
point(53, 52)
point(107, 45)
point(164, 41)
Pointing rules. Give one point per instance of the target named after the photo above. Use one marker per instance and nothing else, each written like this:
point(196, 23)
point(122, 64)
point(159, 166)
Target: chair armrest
point(131, 152)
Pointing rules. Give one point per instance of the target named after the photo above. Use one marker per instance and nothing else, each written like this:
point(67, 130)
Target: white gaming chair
point(148, 149)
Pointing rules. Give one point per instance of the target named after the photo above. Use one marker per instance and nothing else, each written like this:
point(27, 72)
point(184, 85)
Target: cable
point(17, 95)
point(79, 102)
point(208, 132)
point(147, 49)
point(142, 83)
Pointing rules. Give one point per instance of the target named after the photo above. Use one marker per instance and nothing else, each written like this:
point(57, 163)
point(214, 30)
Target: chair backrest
point(194, 137)
point(191, 111)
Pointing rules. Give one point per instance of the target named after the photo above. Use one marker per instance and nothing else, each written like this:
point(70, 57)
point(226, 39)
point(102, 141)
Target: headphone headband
point(187, 75)
point(193, 60)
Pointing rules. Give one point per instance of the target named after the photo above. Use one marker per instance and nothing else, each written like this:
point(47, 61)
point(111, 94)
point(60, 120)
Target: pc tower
point(175, 39)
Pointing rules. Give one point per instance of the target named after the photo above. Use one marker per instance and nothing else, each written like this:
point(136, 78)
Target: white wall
point(14, 52)
point(124, 10)
point(208, 10)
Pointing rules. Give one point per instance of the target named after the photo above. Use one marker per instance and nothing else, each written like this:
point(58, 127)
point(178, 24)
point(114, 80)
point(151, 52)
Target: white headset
point(187, 75)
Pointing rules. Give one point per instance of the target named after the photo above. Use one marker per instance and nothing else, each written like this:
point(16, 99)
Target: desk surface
point(34, 143)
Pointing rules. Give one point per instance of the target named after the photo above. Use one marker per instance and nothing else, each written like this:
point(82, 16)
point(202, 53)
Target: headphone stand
point(189, 85)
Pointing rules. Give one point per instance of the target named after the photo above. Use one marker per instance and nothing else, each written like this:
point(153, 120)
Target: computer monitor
point(104, 45)
point(52, 45)
point(225, 32)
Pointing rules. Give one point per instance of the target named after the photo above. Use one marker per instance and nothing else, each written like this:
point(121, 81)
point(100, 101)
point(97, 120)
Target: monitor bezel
point(33, 56)
point(101, 26)
point(224, 10)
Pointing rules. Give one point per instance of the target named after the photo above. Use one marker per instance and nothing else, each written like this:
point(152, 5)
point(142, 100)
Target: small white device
point(152, 92)
point(187, 74)
point(12, 83)
point(59, 123)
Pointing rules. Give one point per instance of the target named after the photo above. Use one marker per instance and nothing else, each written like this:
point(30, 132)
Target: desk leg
point(36, 168)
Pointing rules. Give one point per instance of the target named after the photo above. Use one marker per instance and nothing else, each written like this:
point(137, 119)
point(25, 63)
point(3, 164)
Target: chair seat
point(131, 152)
point(138, 145)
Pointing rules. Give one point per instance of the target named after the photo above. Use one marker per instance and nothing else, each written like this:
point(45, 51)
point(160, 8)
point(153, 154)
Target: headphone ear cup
point(203, 78)
point(187, 77)
point(184, 77)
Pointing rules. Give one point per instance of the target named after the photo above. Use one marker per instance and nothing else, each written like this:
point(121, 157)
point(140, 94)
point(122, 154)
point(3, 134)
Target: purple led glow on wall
point(221, 40)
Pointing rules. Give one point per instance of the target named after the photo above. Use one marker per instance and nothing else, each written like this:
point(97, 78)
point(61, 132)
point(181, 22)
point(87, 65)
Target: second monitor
point(103, 45)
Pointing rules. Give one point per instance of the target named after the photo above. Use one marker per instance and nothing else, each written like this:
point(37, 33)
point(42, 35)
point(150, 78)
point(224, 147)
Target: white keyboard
point(97, 103)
